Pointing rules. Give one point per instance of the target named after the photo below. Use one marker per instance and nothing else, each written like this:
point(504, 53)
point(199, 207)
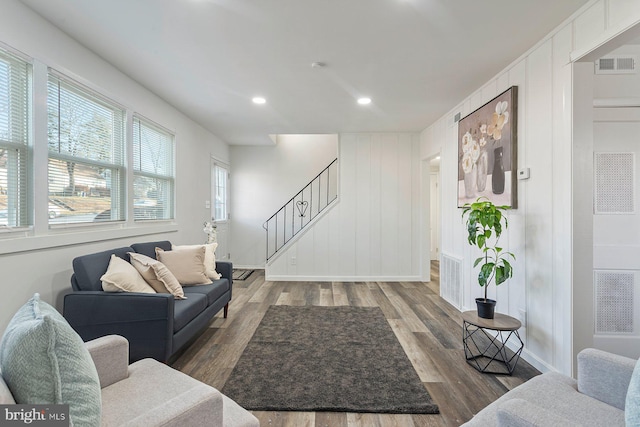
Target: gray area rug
point(339, 359)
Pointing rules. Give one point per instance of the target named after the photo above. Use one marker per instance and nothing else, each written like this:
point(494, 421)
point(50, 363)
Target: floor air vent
point(614, 302)
point(451, 280)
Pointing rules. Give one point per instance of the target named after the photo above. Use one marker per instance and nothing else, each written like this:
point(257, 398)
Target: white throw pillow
point(209, 258)
point(157, 275)
point(186, 264)
point(123, 277)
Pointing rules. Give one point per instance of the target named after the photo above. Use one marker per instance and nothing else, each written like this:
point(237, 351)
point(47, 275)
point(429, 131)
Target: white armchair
point(149, 393)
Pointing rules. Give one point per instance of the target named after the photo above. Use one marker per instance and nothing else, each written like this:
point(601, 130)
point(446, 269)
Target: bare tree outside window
point(86, 146)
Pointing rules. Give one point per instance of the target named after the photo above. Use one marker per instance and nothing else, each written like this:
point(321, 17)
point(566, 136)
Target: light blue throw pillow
point(632, 404)
point(44, 361)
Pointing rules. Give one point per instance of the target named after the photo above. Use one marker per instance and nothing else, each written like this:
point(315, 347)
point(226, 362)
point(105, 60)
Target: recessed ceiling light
point(364, 101)
point(259, 100)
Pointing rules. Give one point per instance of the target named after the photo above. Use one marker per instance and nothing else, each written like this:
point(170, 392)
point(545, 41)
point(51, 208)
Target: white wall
point(540, 232)
point(618, 86)
point(41, 261)
point(263, 179)
point(373, 231)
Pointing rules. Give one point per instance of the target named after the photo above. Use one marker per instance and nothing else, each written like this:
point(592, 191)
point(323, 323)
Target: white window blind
point(86, 154)
point(15, 109)
point(153, 169)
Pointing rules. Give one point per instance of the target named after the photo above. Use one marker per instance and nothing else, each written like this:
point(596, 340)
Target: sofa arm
point(145, 320)
point(521, 413)
point(604, 376)
point(225, 268)
point(110, 355)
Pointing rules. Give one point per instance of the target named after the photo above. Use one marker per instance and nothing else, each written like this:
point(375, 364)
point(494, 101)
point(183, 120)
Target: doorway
point(220, 177)
point(606, 121)
point(434, 206)
point(431, 216)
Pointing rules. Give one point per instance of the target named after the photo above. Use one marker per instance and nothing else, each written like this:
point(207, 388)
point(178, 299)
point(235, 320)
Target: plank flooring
point(429, 329)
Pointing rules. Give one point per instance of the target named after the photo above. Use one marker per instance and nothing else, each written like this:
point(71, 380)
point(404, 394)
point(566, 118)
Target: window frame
point(19, 189)
point(169, 179)
point(118, 178)
point(220, 166)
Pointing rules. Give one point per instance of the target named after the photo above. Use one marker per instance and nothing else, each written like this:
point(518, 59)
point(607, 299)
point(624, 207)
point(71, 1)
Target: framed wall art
point(487, 152)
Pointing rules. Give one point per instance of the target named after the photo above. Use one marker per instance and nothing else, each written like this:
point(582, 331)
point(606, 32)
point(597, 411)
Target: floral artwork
point(487, 152)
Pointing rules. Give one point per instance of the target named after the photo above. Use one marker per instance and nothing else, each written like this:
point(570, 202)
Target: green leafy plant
point(484, 227)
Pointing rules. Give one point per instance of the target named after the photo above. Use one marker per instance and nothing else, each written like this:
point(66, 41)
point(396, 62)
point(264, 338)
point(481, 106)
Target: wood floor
point(428, 328)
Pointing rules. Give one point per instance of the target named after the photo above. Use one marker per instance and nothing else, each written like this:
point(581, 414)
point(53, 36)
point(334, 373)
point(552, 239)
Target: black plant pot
point(486, 307)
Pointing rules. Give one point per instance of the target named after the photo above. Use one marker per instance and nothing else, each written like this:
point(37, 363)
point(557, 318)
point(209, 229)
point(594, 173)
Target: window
point(86, 154)
point(153, 182)
point(220, 175)
point(14, 140)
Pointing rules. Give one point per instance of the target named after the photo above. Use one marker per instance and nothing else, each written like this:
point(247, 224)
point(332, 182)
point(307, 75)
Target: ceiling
point(414, 58)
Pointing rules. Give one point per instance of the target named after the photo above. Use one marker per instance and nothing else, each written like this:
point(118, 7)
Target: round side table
point(487, 351)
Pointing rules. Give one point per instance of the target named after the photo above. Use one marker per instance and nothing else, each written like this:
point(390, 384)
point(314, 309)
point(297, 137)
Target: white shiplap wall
point(540, 232)
point(372, 233)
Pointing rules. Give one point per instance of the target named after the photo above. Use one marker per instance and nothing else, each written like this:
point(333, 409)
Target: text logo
point(34, 415)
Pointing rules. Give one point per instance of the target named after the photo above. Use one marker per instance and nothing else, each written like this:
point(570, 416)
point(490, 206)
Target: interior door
point(220, 207)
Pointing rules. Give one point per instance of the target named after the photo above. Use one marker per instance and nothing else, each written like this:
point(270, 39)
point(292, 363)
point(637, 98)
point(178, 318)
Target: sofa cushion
point(157, 275)
point(155, 394)
point(88, 269)
point(209, 258)
point(632, 404)
point(123, 277)
point(186, 264)
point(43, 360)
point(149, 248)
point(187, 309)
point(213, 291)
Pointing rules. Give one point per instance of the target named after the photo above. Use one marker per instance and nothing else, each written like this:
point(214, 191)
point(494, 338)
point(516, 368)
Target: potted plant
point(484, 227)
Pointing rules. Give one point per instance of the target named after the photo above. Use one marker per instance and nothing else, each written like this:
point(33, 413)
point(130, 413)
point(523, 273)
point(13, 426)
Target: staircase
point(301, 209)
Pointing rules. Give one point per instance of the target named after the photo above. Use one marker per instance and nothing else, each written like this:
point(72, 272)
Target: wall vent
point(614, 302)
point(614, 186)
point(451, 279)
point(623, 64)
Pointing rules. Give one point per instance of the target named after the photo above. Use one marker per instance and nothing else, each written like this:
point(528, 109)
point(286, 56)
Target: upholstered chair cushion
point(44, 361)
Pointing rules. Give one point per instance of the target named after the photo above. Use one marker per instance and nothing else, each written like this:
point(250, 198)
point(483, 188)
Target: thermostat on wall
point(523, 173)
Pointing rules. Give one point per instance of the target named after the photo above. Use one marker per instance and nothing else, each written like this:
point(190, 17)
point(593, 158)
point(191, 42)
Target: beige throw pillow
point(157, 275)
point(186, 264)
point(123, 277)
point(209, 258)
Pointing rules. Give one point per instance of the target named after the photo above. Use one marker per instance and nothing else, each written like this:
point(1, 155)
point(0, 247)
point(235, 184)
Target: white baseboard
point(536, 362)
point(289, 278)
point(249, 267)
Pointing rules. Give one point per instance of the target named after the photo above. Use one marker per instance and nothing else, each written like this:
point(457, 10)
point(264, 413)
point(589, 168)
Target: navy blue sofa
point(156, 325)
